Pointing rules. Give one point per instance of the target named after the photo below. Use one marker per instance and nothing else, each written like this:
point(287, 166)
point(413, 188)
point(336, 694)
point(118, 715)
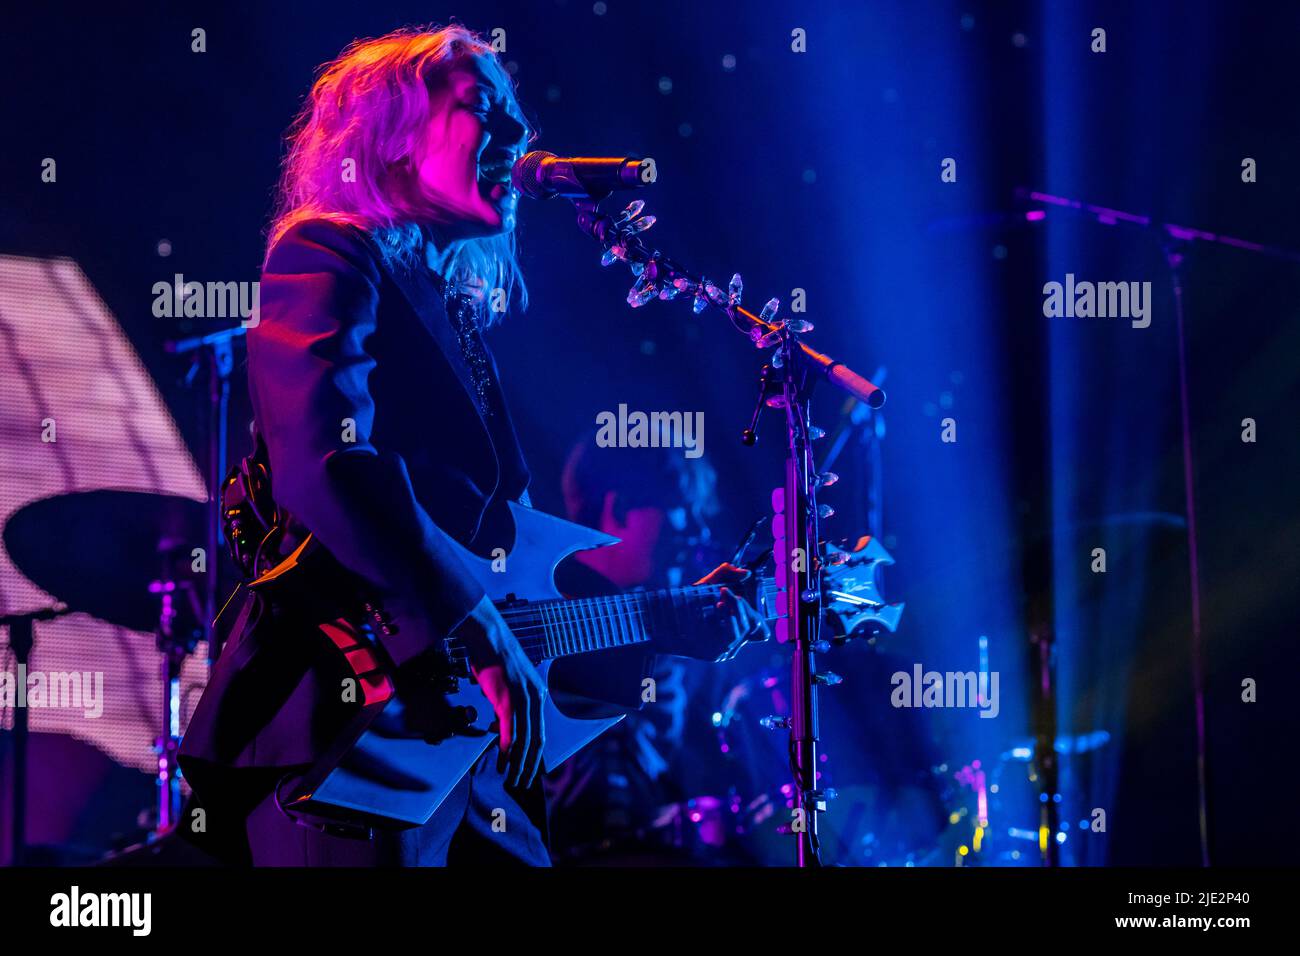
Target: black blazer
point(348, 347)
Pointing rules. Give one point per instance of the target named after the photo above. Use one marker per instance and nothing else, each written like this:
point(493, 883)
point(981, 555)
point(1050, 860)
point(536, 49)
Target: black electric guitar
point(381, 774)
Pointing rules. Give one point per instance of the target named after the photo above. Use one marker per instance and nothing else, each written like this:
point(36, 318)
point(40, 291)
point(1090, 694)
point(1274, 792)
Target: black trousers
point(482, 822)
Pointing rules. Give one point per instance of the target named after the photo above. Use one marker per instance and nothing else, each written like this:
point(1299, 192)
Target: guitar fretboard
point(548, 630)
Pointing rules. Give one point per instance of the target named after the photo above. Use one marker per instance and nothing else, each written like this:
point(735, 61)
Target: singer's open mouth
point(496, 192)
point(497, 172)
point(494, 179)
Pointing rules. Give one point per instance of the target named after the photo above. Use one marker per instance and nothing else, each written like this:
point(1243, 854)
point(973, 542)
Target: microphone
point(541, 175)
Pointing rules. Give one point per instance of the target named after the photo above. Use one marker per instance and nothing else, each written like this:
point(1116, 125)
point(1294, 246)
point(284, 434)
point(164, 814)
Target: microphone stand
point(22, 638)
point(785, 383)
point(1175, 239)
point(215, 353)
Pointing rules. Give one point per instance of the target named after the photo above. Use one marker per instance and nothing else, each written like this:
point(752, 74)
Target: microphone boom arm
point(662, 278)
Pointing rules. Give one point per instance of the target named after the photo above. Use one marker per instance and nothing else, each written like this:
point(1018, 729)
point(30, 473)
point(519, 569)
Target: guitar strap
point(257, 534)
point(252, 602)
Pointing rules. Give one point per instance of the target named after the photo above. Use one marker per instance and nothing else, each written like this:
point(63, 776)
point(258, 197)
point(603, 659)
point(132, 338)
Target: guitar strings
point(611, 607)
point(564, 626)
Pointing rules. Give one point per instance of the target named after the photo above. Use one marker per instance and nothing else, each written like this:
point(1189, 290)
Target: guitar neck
point(548, 630)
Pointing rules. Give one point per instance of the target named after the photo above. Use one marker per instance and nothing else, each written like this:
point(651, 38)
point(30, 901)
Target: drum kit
point(962, 813)
point(965, 813)
point(131, 560)
point(956, 813)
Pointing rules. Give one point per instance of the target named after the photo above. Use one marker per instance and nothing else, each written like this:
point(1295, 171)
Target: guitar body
point(386, 779)
point(393, 767)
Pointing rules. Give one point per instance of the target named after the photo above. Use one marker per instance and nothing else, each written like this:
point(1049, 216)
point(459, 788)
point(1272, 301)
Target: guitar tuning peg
point(773, 722)
point(829, 678)
point(825, 511)
point(815, 433)
point(826, 479)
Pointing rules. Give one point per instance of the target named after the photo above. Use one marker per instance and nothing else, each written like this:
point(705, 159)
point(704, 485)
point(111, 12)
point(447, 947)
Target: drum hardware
point(148, 541)
point(22, 638)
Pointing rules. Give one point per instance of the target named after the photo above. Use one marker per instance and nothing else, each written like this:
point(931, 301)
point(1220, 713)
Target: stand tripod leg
point(21, 639)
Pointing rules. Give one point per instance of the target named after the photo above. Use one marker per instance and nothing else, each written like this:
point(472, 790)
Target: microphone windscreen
point(526, 174)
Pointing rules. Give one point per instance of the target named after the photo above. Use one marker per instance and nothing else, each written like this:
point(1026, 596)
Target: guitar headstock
point(851, 595)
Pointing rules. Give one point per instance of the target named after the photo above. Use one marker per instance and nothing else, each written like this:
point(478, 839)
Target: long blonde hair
point(366, 113)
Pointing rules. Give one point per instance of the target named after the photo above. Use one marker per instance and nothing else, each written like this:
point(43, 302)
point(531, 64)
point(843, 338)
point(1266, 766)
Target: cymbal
point(98, 551)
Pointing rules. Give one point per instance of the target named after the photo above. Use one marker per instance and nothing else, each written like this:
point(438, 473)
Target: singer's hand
point(723, 629)
point(513, 687)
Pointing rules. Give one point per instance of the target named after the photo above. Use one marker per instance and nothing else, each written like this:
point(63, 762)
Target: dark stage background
point(819, 171)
